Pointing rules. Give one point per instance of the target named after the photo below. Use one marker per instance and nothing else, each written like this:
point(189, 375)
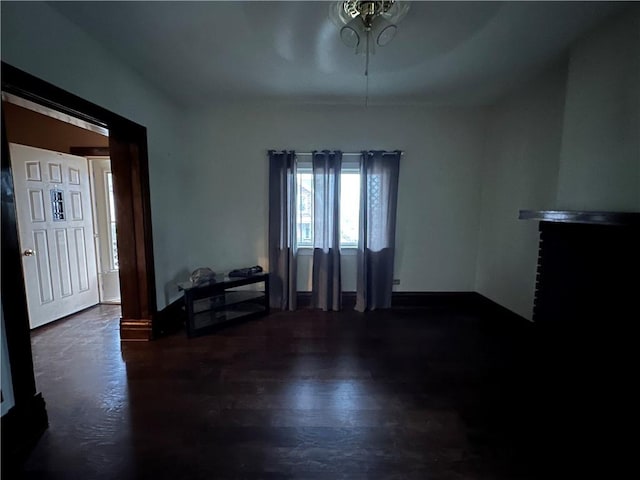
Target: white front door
point(104, 219)
point(55, 227)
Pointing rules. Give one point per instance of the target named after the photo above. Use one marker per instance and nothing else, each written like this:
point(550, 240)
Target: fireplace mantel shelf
point(577, 216)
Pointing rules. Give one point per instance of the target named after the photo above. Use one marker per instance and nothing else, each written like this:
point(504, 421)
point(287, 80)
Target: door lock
point(28, 252)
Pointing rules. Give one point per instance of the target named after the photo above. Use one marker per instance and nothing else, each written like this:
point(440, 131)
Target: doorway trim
point(129, 164)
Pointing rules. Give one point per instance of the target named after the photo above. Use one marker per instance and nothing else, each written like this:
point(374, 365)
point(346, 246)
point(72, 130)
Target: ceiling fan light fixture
point(359, 19)
point(368, 13)
point(364, 24)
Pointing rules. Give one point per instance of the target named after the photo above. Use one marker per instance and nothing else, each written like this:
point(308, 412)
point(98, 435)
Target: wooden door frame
point(23, 424)
point(130, 169)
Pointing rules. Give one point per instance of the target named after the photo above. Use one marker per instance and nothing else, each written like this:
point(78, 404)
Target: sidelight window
point(111, 214)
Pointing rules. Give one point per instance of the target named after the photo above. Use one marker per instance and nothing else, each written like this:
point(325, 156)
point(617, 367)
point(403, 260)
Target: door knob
point(28, 252)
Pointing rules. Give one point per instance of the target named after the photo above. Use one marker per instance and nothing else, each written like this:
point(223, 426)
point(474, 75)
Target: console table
point(213, 304)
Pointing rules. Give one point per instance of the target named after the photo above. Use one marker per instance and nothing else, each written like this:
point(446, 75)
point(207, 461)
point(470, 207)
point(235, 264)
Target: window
point(349, 205)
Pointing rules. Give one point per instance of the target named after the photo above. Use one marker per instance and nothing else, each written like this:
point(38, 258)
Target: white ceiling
point(444, 53)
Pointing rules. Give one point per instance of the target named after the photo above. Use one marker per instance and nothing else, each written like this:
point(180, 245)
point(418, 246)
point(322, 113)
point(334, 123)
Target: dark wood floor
point(411, 393)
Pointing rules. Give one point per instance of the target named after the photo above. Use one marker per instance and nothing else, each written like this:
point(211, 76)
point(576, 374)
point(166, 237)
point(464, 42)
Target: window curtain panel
point(379, 172)
point(326, 287)
point(282, 230)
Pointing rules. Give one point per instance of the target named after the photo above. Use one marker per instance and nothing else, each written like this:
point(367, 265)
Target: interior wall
point(600, 159)
point(568, 140)
point(209, 185)
point(34, 129)
point(40, 41)
point(438, 204)
point(520, 171)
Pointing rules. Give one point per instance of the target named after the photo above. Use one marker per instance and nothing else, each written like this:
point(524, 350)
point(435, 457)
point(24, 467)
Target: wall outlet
point(396, 281)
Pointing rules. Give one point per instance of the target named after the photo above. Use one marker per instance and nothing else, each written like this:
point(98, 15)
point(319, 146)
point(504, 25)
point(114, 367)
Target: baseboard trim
point(471, 301)
point(304, 300)
point(432, 299)
point(405, 299)
point(488, 307)
point(136, 330)
point(22, 426)
point(170, 319)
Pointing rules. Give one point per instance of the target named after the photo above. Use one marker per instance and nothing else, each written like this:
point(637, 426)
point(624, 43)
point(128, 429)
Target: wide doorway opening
point(65, 205)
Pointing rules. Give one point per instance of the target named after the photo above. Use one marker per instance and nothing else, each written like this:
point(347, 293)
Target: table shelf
point(214, 304)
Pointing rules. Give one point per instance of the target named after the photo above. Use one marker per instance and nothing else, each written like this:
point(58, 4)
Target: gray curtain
point(326, 288)
point(376, 244)
point(282, 231)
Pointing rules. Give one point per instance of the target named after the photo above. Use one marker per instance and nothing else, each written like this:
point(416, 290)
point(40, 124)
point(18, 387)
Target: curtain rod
point(343, 153)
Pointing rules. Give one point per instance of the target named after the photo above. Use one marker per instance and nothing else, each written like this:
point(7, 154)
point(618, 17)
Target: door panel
point(55, 229)
point(81, 259)
point(33, 171)
point(74, 176)
point(64, 267)
point(55, 172)
point(36, 204)
point(45, 284)
point(76, 206)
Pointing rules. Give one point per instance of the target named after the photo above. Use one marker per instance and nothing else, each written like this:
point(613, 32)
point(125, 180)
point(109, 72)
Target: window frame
point(303, 167)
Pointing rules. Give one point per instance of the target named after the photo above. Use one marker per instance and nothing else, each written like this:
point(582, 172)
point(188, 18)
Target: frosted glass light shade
point(385, 32)
point(350, 34)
